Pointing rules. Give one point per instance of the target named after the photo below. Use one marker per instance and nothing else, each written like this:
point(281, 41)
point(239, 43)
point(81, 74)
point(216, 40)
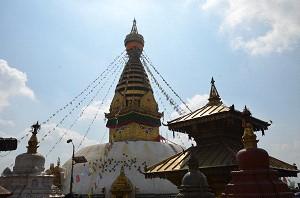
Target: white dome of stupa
point(105, 161)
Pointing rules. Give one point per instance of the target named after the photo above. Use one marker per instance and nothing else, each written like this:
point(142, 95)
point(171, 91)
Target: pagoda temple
point(217, 130)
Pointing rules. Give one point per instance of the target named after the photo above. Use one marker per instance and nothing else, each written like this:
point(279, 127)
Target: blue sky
point(51, 50)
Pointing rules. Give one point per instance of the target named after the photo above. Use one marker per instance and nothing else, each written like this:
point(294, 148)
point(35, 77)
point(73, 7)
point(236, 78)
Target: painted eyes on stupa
point(146, 129)
point(121, 129)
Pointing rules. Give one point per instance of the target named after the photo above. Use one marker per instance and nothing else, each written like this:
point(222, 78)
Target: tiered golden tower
point(133, 112)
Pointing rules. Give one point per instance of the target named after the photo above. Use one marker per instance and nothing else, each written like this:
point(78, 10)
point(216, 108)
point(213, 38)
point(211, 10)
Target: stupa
point(254, 178)
point(194, 183)
point(58, 173)
point(27, 178)
point(115, 169)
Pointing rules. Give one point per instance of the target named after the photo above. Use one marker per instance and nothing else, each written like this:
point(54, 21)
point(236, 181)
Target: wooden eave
point(220, 159)
point(4, 191)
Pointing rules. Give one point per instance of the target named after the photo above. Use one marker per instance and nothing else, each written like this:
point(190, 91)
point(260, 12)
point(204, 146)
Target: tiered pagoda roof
point(133, 110)
point(134, 81)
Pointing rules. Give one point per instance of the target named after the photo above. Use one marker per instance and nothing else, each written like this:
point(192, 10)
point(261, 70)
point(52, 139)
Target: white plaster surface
point(105, 161)
point(29, 163)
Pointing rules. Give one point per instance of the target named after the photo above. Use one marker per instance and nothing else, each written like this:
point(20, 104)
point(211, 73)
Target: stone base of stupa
point(28, 185)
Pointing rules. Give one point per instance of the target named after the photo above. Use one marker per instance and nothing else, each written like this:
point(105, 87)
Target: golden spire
point(134, 39)
point(58, 161)
point(33, 141)
point(214, 97)
point(122, 172)
point(249, 138)
point(133, 113)
point(134, 28)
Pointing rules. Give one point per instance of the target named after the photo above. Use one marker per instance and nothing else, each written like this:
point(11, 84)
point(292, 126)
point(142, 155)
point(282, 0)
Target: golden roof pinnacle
point(249, 138)
point(33, 141)
point(214, 97)
point(134, 28)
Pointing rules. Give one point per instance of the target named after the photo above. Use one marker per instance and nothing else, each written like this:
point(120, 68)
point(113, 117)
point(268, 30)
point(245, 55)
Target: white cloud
point(197, 101)
point(259, 26)
point(65, 133)
point(57, 138)
point(8, 123)
point(4, 134)
point(182, 139)
point(12, 83)
point(117, 10)
point(92, 110)
point(287, 151)
point(193, 103)
point(213, 4)
point(62, 149)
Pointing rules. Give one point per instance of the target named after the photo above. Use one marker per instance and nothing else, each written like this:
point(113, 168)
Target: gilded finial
point(136, 39)
point(121, 183)
point(214, 97)
point(246, 111)
point(212, 81)
point(122, 172)
point(58, 161)
point(33, 141)
point(134, 28)
point(249, 138)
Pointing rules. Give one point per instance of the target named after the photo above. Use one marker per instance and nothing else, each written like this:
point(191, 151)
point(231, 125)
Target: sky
point(51, 50)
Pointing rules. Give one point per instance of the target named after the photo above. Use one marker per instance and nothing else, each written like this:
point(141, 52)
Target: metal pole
point(71, 182)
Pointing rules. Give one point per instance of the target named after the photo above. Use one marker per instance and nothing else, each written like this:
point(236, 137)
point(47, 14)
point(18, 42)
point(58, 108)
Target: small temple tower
point(194, 183)
point(31, 162)
point(133, 113)
point(28, 178)
point(254, 178)
point(122, 186)
point(58, 173)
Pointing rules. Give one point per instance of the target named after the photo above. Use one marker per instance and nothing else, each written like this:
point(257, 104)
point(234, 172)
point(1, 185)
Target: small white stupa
point(28, 178)
point(115, 169)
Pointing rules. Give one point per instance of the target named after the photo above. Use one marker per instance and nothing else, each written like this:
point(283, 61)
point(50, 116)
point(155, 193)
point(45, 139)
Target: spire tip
point(212, 81)
point(246, 111)
point(214, 97)
point(134, 28)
